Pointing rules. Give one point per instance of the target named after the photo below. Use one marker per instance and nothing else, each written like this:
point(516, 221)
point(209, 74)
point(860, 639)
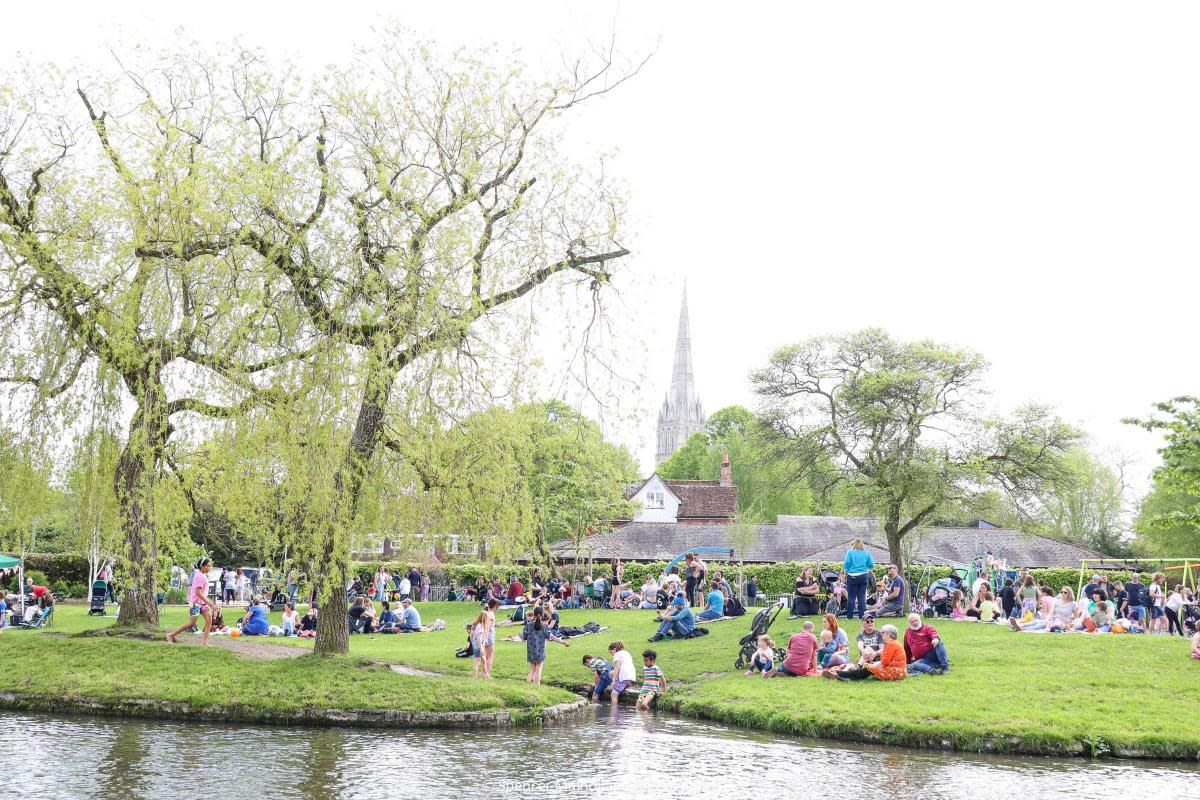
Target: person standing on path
point(198, 600)
point(858, 565)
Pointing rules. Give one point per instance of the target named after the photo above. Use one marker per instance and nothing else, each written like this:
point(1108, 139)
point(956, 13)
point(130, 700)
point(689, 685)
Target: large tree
point(415, 204)
point(111, 191)
point(1169, 522)
point(900, 424)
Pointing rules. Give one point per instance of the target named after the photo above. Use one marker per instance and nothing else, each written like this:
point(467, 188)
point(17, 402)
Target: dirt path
point(258, 650)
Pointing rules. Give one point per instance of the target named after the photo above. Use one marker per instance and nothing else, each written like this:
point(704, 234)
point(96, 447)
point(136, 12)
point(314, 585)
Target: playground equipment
point(1190, 567)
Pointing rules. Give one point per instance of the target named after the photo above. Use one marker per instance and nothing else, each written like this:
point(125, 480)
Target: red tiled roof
point(705, 499)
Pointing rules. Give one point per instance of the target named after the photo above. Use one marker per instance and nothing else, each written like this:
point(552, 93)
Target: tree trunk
point(891, 527)
point(133, 481)
point(333, 633)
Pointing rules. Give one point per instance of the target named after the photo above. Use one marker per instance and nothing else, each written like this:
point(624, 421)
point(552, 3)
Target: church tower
point(681, 414)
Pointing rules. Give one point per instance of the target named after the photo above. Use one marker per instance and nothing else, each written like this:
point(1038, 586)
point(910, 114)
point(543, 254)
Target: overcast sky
point(1017, 178)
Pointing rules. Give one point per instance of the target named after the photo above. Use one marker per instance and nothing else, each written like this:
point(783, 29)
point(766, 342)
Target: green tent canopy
point(8, 562)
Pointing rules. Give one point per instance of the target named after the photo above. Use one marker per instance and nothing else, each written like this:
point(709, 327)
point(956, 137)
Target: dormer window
point(655, 499)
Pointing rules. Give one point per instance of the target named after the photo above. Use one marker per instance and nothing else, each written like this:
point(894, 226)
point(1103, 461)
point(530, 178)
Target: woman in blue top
point(256, 623)
point(858, 564)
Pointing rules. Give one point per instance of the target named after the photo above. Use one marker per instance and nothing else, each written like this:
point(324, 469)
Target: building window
point(654, 499)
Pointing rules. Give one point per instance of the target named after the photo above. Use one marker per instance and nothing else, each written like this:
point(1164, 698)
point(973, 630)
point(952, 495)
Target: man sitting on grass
point(923, 648)
point(678, 621)
point(714, 603)
point(410, 621)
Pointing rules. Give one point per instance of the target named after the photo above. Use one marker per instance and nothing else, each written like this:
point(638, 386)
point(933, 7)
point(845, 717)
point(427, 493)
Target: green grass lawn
point(1006, 691)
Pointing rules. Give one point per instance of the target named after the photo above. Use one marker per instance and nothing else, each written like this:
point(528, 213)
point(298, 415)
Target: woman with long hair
point(858, 564)
point(839, 637)
point(198, 602)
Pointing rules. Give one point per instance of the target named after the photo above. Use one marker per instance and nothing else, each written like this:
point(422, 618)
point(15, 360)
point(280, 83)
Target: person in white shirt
point(1158, 614)
point(624, 673)
point(405, 587)
point(1171, 607)
point(649, 594)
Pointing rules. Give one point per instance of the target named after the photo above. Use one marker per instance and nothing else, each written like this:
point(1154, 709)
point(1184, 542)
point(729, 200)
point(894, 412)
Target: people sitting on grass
point(357, 616)
point(410, 619)
point(714, 604)
point(308, 624)
point(801, 658)
point(826, 650)
point(387, 619)
point(1045, 610)
point(601, 676)
point(624, 673)
point(958, 605)
point(290, 621)
point(987, 607)
point(892, 602)
point(256, 623)
point(763, 660)
point(649, 599)
point(516, 589)
point(654, 683)
point(839, 655)
point(891, 665)
point(804, 599)
point(1057, 612)
point(478, 591)
point(923, 648)
point(869, 641)
point(678, 621)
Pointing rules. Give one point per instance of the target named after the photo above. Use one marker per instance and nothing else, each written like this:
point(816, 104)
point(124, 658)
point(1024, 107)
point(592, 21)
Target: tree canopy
point(901, 427)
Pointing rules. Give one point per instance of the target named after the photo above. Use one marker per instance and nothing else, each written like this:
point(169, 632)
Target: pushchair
point(830, 600)
point(759, 626)
point(99, 595)
point(939, 596)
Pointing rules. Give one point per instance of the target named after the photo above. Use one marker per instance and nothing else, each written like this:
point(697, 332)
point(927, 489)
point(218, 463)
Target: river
point(612, 754)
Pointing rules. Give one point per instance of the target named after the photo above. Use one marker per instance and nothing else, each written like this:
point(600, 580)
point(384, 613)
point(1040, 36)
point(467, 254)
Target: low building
point(688, 502)
point(797, 538)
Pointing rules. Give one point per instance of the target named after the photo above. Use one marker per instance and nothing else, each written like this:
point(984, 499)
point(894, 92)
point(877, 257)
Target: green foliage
point(1170, 518)
point(893, 428)
point(759, 471)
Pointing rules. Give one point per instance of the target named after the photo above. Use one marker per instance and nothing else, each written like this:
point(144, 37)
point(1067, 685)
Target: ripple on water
point(613, 753)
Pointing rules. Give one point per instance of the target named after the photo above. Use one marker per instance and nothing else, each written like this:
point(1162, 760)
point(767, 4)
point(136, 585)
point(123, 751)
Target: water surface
point(613, 754)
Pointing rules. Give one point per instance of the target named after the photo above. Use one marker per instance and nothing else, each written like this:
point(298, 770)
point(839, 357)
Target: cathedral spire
point(681, 414)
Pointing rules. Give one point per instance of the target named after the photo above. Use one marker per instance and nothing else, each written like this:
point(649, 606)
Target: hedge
point(67, 567)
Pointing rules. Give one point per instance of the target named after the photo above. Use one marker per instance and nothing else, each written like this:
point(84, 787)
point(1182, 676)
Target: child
point(3, 613)
point(601, 675)
point(958, 608)
point(479, 630)
point(537, 632)
point(763, 659)
point(291, 620)
point(623, 666)
point(827, 650)
point(653, 681)
point(987, 608)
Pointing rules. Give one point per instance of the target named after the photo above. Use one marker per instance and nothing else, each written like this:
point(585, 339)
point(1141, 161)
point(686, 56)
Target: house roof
point(697, 499)
point(795, 538)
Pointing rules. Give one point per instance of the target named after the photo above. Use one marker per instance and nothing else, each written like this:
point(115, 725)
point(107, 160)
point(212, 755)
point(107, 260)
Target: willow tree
point(110, 191)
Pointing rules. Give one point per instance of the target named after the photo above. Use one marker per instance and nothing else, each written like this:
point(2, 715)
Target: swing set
point(1190, 567)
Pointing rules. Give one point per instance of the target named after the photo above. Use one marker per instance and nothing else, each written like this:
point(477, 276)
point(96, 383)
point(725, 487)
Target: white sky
point(1018, 178)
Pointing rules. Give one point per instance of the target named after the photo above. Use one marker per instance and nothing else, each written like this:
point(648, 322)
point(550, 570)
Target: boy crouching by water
point(654, 683)
point(601, 675)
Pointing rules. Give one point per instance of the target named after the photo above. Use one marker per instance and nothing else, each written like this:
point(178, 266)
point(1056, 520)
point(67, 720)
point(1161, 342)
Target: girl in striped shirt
point(653, 681)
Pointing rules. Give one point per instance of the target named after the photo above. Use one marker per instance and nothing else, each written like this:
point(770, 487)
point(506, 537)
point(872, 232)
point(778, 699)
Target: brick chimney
point(726, 472)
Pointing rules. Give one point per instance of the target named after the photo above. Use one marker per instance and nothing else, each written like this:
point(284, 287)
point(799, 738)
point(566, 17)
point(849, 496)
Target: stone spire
point(681, 414)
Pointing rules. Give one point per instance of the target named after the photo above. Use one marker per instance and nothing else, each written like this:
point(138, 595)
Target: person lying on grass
point(924, 648)
point(714, 603)
point(678, 621)
point(654, 683)
point(601, 675)
point(890, 666)
point(801, 658)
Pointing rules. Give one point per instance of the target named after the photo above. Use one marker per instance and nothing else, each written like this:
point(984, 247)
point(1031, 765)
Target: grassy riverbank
point(1019, 693)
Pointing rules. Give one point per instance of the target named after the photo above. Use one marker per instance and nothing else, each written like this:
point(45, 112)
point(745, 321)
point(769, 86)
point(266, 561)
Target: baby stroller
point(99, 594)
point(833, 604)
point(759, 626)
point(939, 596)
point(1191, 619)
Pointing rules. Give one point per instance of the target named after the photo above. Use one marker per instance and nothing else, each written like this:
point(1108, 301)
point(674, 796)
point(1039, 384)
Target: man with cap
point(678, 621)
point(869, 641)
